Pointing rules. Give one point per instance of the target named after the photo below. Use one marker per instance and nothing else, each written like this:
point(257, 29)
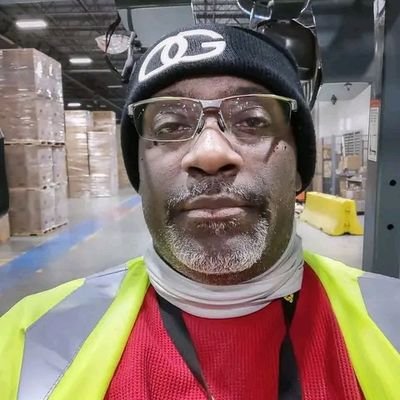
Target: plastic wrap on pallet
point(29, 73)
point(103, 163)
point(29, 166)
point(4, 198)
point(104, 120)
point(32, 120)
point(78, 121)
point(77, 124)
point(59, 165)
point(31, 102)
point(61, 204)
point(123, 180)
point(32, 211)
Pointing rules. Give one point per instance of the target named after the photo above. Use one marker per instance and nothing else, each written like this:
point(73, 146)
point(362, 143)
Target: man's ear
point(299, 183)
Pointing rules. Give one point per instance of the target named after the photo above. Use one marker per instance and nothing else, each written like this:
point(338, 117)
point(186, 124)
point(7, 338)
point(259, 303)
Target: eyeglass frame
point(206, 104)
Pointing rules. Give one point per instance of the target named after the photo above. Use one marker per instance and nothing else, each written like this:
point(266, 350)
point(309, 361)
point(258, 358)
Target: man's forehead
point(212, 87)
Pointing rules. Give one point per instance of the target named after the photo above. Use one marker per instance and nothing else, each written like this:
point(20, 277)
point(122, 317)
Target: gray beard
point(239, 253)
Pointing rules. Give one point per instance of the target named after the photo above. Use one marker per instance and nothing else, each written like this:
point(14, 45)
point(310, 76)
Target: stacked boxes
point(32, 211)
point(77, 124)
point(32, 106)
point(60, 189)
point(32, 119)
point(103, 164)
point(122, 175)
point(91, 153)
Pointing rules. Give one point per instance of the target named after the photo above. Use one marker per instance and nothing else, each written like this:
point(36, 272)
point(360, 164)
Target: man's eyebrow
point(224, 93)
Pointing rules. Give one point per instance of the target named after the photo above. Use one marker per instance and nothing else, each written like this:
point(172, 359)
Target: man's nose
point(212, 154)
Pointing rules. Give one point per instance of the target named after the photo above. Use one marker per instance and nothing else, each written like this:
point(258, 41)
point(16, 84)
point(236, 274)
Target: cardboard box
point(4, 228)
point(30, 120)
point(104, 120)
point(28, 73)
point(79, 187)
point(326, 153)
point(78, 121)
point(29, 166)
point(32, 211)
point(59, 165)
point(352, 163)
point(61, 204)
point(353, 194)
point(103, 163)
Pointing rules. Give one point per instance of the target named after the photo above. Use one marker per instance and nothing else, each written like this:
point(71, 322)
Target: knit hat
point(210, 50)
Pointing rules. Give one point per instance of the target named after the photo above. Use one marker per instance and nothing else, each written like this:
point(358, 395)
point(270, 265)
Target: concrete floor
point(105, 232)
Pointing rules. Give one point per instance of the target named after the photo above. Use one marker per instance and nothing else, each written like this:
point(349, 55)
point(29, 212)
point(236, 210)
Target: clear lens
point(167, 120)
point(250, 117)
point(246, 117)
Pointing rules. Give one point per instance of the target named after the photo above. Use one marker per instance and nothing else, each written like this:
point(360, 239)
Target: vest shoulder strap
point(368, 312)
point(72, 335)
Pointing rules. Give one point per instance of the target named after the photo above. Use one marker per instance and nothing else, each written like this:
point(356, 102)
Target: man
point(217, 139)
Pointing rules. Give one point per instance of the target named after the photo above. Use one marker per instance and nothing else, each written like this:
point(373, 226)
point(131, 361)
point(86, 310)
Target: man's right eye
point(171, 130)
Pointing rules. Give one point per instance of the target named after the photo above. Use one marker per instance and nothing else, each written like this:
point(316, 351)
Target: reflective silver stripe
point(381, 296)
point(53, 341)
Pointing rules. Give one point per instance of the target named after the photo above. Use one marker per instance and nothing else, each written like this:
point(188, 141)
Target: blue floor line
point(41, 257)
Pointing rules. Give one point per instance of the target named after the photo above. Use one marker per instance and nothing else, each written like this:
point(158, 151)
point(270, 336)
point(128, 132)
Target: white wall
point(344, 116)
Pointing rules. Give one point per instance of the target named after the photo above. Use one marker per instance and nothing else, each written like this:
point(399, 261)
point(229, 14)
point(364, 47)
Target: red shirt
point(239, 356)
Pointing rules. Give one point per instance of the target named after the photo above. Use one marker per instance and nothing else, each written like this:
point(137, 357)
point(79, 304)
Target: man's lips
point(214, 208)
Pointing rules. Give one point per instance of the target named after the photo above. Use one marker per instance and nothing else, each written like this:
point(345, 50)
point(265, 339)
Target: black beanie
point(209, 50)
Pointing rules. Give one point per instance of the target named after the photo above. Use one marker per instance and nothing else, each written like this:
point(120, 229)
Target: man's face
point(219, 210)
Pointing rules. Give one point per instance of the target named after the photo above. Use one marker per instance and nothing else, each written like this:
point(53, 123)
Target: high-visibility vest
point(66, 343)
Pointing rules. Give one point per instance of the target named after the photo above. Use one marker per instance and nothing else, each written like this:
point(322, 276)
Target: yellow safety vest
point(66, 343)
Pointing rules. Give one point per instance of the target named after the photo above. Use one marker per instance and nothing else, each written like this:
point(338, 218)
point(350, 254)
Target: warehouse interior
point(70, 209)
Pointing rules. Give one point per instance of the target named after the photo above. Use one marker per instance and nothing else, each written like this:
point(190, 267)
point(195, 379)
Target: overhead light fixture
point(103, 106)
point(74, 104)
point(114, 86)
point(31, 24)
point(80, 60)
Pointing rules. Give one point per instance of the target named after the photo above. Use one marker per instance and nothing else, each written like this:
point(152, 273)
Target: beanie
point(211, 50)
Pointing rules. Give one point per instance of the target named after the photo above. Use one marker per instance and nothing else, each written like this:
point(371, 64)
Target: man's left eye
point(254, 122)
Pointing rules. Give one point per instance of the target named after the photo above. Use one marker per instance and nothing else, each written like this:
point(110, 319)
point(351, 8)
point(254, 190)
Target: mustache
point(252, 194)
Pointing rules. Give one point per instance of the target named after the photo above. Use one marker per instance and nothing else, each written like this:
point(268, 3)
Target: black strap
point(289, 382)
point(179, 334)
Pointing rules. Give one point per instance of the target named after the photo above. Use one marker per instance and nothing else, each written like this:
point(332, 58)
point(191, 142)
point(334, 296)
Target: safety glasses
point(179, 119)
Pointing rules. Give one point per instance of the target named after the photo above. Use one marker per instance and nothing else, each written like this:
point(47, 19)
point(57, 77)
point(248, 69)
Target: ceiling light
point(114, 86)
point(80, 60)
point(31, 24)
point(74, 104)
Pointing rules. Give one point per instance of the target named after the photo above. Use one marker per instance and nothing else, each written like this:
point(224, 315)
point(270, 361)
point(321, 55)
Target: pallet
point(41, 233)
point(35, 143)
point(4, 228)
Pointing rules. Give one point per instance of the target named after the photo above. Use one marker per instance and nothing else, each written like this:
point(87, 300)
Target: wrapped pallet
point(32, 119)
point(78, 123)
point(4, 228)
point(123, 180)
point(61, 204)
point(104, 121)
point(31, 102)
point(59, 165)
point(32, 211)
point(103, 163)
point(29, 166)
